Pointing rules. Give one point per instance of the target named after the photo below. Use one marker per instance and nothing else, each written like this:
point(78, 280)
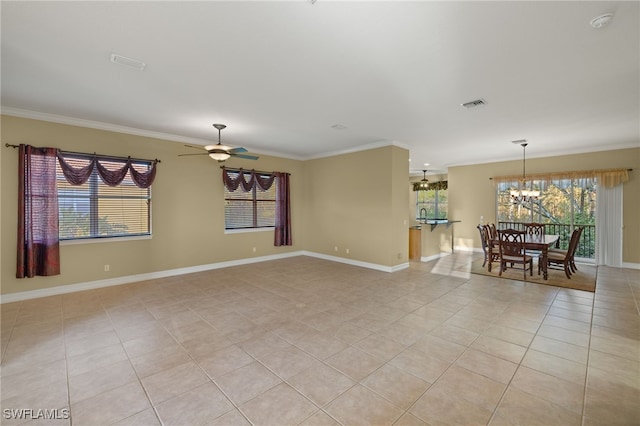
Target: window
point(255, 208)
point(97, 210)
point(431, 204)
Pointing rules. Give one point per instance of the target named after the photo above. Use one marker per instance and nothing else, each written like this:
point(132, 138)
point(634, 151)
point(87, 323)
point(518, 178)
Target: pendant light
point(523, 195)
point(423, 185)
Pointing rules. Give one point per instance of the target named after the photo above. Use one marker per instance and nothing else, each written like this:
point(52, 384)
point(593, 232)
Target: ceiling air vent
point(127, 62)
point(474, 104)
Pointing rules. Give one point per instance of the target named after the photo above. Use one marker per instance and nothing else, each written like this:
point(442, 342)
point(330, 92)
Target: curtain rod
point(249, 170)
point(110, 157)
point(578, 171)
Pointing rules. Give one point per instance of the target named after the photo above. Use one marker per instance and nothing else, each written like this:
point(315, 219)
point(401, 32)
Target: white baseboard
point(630, 265)
point(91, 285)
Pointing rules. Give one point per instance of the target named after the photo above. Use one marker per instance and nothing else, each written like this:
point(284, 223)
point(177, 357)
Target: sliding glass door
point(562, 205)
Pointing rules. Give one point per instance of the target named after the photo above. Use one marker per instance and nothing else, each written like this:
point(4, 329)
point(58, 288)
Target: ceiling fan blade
point(194, 147)
point(248, 157)
point(185, 155)
point(237, 150)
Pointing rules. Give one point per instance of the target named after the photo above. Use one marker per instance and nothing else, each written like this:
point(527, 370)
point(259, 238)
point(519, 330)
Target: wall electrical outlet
point(347, 251)
point(335, 248)
point(254, 249)
point(106, 268)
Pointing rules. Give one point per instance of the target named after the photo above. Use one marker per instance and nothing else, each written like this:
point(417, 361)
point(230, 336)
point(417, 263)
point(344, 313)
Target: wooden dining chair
point(512, 251)
point(490, 253)
point(483, 242)
point(579, 229)
point(565, 258)
point(535, 229)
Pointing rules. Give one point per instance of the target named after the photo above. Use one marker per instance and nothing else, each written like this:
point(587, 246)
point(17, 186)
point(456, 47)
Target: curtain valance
point(441, 185)
point(262, 180)
point(79, 175)
point(608, 178)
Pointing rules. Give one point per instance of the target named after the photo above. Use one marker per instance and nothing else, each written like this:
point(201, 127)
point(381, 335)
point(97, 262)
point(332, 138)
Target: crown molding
point(99, 125)
point(358, 148)
point(60, 119)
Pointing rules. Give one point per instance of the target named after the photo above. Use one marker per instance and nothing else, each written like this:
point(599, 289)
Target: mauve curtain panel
point(38, 243)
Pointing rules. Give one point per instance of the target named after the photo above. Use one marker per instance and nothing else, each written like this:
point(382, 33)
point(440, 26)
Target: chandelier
point(523, 195)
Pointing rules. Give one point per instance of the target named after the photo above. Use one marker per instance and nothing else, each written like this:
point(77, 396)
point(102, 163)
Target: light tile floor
point(311, 342)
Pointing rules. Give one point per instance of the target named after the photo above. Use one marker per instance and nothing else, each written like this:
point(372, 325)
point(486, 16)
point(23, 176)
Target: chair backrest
point(483, 238)
point(493, 232)
point(511, 242)
point(574, 241)
point(535, 229)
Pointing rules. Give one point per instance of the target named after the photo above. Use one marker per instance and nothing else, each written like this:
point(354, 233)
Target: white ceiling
point(280, 74)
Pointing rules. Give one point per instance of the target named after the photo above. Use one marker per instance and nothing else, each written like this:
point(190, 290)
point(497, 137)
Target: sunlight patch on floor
point(456, 265)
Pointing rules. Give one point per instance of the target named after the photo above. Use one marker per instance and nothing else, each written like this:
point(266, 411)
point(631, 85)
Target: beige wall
point(350, 201)
point(358, 201)
point(400, 212)
point(472, 194)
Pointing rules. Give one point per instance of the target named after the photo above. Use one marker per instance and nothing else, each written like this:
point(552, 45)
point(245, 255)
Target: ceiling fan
point(221, 152)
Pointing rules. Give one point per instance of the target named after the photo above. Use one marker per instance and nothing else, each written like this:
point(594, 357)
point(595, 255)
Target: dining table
point(539, 243)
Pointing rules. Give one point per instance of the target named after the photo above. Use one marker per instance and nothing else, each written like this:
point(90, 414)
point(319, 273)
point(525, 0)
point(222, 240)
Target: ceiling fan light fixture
point(219, 156)
point(218, 151)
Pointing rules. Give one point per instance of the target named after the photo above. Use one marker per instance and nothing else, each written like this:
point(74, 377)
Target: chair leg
point(567, 272)
point(574, 268)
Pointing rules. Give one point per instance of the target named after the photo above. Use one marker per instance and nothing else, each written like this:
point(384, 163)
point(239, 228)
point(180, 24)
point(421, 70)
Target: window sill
point(245, 230)
point(104, 240)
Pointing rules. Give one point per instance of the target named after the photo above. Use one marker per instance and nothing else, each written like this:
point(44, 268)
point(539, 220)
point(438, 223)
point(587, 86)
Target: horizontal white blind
point(253, 209)
point(96, 210)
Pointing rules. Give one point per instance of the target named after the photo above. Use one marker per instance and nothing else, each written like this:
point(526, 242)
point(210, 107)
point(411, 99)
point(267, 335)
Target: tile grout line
point(493, 414)
point(195, 361)
point(457, 358)
point(115, 329)
point(586, 376)
point(66, 366)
